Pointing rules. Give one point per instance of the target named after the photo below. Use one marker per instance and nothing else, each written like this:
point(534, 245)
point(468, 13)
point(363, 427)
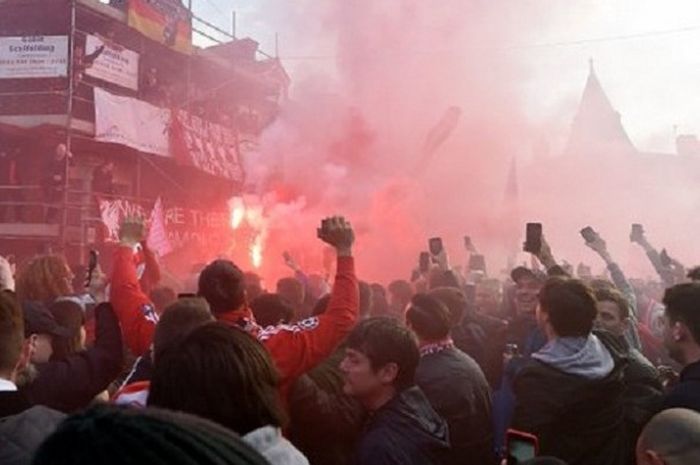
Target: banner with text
point(176, 226)
point(33, 57)
point(114, 64)
point(209, 147)
point(165, 21)
point(131, 122)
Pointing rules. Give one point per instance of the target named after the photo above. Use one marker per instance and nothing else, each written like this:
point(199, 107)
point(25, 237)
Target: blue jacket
point(405, 431)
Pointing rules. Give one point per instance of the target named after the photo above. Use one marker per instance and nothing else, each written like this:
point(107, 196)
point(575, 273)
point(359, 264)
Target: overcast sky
point(652, 79)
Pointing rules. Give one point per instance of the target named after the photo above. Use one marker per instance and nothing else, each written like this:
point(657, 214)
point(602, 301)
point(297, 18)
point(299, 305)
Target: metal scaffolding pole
point(69, 123)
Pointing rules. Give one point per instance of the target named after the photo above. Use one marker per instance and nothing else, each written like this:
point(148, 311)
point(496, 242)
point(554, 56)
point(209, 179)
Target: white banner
point(33, 57)
point(131, 122)
point(114, 64)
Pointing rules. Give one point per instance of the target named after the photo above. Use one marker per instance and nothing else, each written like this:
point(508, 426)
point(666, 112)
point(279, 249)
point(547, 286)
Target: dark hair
point(682, 303)
point(380, 306)
point(454, 300)
point(402, 290)
point(253, 285)
point(270, 310)
point(570, 305)
point(111, 435)
point(428, 318)
point(694, 273)
point(385, 341)
point(220, 373)
point(222, 284)
point(70, 315)
point(178, 319)
point(291, 290)
point(162, 296)
point(606, 294)
point(11, 331)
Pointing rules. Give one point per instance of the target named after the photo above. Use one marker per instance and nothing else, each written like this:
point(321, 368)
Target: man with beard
point(682, 339)
point(22, 427)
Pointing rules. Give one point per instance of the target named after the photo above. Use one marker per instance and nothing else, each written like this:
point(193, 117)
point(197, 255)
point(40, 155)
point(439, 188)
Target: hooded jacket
point(295, 348)
point(570, 395)
point(405, 431)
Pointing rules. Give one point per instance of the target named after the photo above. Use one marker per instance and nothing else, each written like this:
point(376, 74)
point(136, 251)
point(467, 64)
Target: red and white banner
point(157, 236)
point(209, 147)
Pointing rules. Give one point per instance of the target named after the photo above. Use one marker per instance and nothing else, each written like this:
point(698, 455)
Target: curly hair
point(44, 278)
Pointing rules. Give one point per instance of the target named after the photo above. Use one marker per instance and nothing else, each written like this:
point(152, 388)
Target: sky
point(644, 52)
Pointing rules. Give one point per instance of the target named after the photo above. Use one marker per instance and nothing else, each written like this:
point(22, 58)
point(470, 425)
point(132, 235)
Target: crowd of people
point(547, 366)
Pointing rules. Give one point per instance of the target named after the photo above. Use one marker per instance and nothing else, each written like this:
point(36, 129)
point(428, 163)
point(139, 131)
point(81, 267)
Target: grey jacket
point(21, 434)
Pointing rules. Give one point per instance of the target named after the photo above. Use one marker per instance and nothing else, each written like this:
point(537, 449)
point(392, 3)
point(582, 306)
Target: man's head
point(40, 327)
point(672, 437)
point(291, 290)
point(567, 308)
point(381, 357)
point(11, 336)
point(219, 373)
point(488, 296)
point(454, 300)
point(253, 285)
point(44, 279)
point(271, 310)
point(222, 285)
point(428, 318)
point(400, 293)
point(111, 435)
point(61, 151)
point(178, 320)
point(527, 288)
point(613, 311)
point(682, 322)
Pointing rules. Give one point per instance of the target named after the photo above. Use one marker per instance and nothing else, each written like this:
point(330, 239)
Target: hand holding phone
point(533, 238)
point(92, 266)
point(435, 246)
point(424, 262)
point(637, 233)
point(589, 234)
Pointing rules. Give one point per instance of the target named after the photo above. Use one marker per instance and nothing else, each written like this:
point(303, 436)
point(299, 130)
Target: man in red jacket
point(294, 348)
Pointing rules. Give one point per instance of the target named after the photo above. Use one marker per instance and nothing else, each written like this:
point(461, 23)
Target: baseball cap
point(39, 320)
point(521, 272)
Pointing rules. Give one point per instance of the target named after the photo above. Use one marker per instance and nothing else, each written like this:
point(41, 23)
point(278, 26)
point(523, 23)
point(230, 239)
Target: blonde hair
point(44, 278)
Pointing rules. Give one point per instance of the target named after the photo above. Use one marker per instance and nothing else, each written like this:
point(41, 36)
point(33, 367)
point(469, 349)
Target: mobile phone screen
point(533, 237)
point(521, 449)
point(435, 245)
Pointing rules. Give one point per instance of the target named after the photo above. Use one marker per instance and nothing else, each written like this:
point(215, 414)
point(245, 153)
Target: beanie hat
point(109, 435)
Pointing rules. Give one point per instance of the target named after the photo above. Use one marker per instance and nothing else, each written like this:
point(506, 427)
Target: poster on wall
point(114, 63)
point(33, 57)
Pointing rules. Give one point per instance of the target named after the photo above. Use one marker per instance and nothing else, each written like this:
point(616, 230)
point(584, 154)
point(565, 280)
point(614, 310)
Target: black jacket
point(405, 431)
point(686, 394)
point(577, 419)
point(457, 389)
point(72, 383)
point(325, 422)
point(21, 434)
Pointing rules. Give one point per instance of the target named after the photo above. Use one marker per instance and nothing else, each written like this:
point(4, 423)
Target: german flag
point(165, 21)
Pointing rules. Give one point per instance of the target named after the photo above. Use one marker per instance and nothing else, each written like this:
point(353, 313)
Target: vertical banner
point(165, 21)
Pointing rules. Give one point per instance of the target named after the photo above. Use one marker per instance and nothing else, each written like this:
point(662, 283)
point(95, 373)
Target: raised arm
point(132, 306)
point(618, 277)
point(298, 348)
